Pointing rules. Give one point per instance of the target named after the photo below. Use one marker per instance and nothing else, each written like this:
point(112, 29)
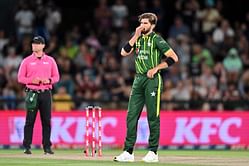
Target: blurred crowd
point(212, 74)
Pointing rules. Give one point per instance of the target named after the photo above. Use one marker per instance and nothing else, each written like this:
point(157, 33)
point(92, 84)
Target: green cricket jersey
point(149, 50)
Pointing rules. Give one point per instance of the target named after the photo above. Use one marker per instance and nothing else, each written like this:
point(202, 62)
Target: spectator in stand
point(209, 17)
point(221, 31)
point(178, 28)
point(12, 61)
point(244, 85)
point(120, 12)
point(230, 97)
point(53, 46)
point(3, 40)
point(183, 49)
point(233, 65)
point(113, 45)
point(201, 55)
point(85, 58)
point(24, 19)
point(102, 17)
point(75, 34)
point(220, 74)
point(62, 100)
point(3, 79)
point(196, 100)
point(167, 95)
point(70, 47)
point(53, 18)
point(243, 47)
point(10, 96)
point(207, 77)
point(188, 9)
point(213, 95)
point(181, 93)
point(3, 83)
point(197, 87)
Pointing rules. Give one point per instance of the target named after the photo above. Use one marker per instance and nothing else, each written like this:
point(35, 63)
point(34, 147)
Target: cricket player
point(149, 48)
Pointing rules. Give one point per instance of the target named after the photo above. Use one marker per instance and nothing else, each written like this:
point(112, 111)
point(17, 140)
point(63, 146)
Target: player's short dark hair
point(151, 16)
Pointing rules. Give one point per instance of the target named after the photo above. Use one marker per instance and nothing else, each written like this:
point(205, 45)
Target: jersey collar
point(42, 57)
point(150, 34)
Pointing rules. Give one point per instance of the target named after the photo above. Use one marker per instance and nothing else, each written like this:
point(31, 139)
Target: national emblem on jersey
point(153, 94)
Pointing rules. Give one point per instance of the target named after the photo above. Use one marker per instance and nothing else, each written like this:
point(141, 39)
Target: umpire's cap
point(38, 40)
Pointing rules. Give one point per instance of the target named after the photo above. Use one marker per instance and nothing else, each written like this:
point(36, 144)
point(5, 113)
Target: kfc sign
point(209, 127)
point(177, 128)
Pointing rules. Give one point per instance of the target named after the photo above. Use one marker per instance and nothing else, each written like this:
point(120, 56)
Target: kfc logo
point(201, 130)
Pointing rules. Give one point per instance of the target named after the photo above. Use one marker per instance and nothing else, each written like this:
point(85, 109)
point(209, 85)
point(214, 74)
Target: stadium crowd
point(212, 74)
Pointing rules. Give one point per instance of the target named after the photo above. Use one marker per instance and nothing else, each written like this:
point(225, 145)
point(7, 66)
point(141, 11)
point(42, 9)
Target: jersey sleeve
point(22, 73)
point(161, 44)
point(55, 72)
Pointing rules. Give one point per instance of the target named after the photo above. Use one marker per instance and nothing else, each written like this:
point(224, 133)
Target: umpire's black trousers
point(44, 106)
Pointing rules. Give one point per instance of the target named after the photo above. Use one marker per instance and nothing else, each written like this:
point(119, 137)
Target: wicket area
point(93, 110)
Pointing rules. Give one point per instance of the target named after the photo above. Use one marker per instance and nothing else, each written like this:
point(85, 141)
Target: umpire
point(38, 72)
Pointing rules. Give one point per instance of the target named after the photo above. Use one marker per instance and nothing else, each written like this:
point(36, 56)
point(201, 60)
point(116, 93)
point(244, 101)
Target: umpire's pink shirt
point(33, 67)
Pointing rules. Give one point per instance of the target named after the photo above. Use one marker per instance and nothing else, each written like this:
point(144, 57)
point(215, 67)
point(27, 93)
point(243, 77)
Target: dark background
point(73, 12)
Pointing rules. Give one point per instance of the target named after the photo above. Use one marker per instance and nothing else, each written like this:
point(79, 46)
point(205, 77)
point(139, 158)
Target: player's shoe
point(48, 151)
point(150, 157)
point(124, 157)
point(27, 151)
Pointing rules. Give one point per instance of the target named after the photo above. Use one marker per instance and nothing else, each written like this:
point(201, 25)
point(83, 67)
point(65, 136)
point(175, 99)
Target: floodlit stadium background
point(205, 98)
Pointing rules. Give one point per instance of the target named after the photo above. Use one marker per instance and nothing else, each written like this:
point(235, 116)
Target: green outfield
point(75, 157)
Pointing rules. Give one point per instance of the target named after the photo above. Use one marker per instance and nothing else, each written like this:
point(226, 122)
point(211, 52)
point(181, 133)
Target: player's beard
point(145, 31)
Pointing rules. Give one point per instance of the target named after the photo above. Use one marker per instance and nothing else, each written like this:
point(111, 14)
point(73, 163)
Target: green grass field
point(75, 157)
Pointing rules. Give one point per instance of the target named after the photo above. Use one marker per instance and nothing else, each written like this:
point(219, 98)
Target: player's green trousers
point(144, 91)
